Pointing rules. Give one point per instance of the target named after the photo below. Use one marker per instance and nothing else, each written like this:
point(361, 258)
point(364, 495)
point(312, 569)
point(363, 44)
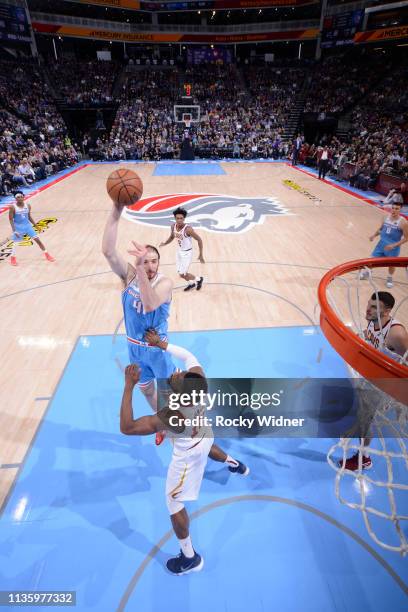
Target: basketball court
point(83, 506)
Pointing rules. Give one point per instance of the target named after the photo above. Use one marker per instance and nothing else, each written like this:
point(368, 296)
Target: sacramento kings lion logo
point(213, 213)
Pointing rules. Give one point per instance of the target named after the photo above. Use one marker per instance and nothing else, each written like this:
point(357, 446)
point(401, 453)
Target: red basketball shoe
point(352, 463)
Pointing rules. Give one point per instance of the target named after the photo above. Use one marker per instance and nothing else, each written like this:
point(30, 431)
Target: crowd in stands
point(244, 113)
point(83, 83)
point(238, 119)
point(144, 126)
point(24, 92)
point(338, 82)
point(33, 138)
point(378, 140)
point(213, 83)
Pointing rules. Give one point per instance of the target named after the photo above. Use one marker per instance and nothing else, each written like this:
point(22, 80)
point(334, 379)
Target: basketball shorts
point(379, 250)
point(24, 230)
point(367, 405)
point(373, 401)
point(183, 260)
point(186, 471)
point(153, 362)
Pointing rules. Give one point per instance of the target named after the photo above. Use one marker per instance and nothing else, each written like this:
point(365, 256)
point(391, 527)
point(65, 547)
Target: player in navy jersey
point(22, 224)
point(393, 233)
point(146, 300)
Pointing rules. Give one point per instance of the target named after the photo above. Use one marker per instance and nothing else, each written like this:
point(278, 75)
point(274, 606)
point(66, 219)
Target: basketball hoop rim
point(368, 361)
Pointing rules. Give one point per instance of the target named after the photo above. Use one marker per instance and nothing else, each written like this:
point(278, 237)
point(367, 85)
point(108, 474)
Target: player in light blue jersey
point(393, 232)
point(22, 224)
point(146, 300)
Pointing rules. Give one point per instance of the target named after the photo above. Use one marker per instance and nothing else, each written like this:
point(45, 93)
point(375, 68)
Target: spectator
point(26, 171)
point(323, 159)
point(394, 196)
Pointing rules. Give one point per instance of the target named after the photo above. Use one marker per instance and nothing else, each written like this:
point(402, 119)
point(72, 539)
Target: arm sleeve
point(181, 353)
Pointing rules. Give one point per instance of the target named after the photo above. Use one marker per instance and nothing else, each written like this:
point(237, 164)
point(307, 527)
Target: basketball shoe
point(241, 468)
point(189, 286)
point(184, 565)
point(160, 436)
point(352, 463)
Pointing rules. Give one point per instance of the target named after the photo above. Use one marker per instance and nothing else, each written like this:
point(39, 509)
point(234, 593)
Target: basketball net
point(388, 486)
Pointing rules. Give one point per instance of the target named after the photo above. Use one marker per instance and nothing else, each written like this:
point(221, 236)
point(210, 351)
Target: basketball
point(124, 187)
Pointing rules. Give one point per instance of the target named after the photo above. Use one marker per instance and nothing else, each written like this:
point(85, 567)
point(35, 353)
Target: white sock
point(232, 462)
point(197, 278)
point(190, 282)
point(13, 250)
point(187, 547)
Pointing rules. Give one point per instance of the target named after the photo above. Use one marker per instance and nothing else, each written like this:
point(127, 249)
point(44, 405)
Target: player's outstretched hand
point(132, 374)
point(152, 337)
point(201, 259)
point(139, 251)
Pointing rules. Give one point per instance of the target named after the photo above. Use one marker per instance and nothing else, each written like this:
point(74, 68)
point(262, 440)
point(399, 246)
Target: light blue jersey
point(391, 232)
point(22, 223)
point(153, 361)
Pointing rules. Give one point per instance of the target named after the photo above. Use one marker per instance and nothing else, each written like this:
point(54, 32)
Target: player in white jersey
point(22, 224)
point(390, 337)
point(184, 233)
point(190, 449)
point(393, 233)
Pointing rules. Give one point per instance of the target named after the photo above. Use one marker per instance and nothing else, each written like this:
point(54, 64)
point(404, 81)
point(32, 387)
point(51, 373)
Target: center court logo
point(214, 213)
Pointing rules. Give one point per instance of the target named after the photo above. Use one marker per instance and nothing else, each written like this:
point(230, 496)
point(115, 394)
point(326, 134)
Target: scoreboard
point(339, 29)
point(14, 23)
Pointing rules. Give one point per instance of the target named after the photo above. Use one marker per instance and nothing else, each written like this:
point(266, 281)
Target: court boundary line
point(263, 263)
point(284, 162)
point(204, 331)
point(219, 503)
point(21, 465)
point(4, 208)
point(51, 398)
point(269, 498)
point(369, 201)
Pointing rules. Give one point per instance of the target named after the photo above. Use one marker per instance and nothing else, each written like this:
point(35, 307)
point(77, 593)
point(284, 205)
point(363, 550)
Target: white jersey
point(185, 243)
point(378, 337)
point(194, 434)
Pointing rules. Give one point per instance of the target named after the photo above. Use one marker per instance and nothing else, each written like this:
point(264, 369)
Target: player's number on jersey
point(138, 306)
